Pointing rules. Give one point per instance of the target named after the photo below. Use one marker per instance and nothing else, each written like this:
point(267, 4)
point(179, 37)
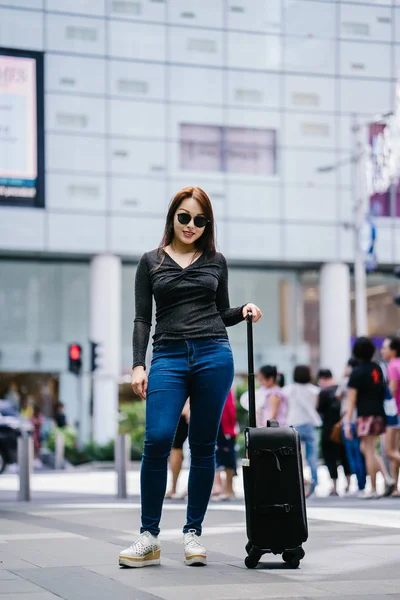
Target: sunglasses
point(184, 219)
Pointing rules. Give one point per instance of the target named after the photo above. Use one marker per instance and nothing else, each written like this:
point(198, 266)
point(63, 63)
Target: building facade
point(247, 99)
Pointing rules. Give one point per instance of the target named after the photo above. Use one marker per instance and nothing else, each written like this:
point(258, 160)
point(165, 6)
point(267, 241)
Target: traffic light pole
point(81, 404)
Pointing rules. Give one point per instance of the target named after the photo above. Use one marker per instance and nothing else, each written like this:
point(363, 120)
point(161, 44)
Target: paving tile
point(35, 596)
point(253, 591)
point(18, 585)
point(81, 584)
point(4, 574)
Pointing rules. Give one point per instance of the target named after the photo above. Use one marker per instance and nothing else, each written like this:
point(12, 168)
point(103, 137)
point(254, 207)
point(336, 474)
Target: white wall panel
point(253, 119)
point(195, 46)
point(309, 93)
point(207, 13)
point(135, 235)
point(85, 7)
point(310, 18)
point(396, 35)
point(254, 90)
point(34, 4)
point(137, 80)
point(396, 233)
point(365, 60)
point(74, 113)
point(76, 193)
point(22, 228)
point(75, 74)
point(76, 233)
point(139, 10)
point(397, 58)
point(200, 86)
point(75, 153)
point(364, 97)
point(346, 141)
point(254, 241)
point(137, 157)
point(380, 2)
point(261, 201)
point(75, 34)
point(366, 23)
point(254, 51)
point(21, 29)
point(139, 196)
point(255, 15)
point(310, 242)
point(137, 40)
point(310, 55)
point(301, 167)
point(309, 131)
point(345, 199)
point(137, 119)
point(346, 244)
point(310, 204)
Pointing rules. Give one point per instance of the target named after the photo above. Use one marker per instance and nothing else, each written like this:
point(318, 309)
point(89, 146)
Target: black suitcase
point(276, 518)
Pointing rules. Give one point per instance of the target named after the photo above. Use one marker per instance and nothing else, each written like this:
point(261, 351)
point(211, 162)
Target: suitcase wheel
point(293, 557)
point(252, 560)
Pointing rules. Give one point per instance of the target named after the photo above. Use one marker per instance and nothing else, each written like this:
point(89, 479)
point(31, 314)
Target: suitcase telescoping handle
point(250, 358)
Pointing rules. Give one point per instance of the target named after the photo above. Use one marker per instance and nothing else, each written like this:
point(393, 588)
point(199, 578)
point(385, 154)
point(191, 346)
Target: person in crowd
point(60, 417)
point(271, 403)
point(27, 406)
point(275, 403)
point(334, 453)
point(302, 398)
point(355, 457)
point(37, 422)
point(191, 357)
point(391, 353)
point(366, 394)
point(226, 451)
point(176, 456)
point(13, 396)
point(280, 379)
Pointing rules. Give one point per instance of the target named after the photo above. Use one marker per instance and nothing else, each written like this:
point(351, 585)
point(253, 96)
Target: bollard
point(122, 458)
point(59, 454)
point(25, 463)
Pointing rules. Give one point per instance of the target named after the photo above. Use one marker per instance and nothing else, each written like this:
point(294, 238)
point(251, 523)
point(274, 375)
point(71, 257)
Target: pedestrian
point(355, 457)
point(391, 352)
point(191, 357)
point(333, 451)
point(302, 398)
point(367, 394)
point(275, 404)
point(37, 434)
point(60, 417)
point(226, 451)
point(176, 456)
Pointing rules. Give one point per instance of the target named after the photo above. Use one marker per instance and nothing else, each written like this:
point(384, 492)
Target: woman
point(176, 456)
point(367, 394)
point(302, 398)
point(191, 357)
point(390, 352)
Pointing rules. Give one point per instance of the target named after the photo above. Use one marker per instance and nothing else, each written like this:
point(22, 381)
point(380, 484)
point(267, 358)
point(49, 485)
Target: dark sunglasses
point(184, 219)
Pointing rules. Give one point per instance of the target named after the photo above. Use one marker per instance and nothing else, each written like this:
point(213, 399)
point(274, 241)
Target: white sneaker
point(144, 552)
point(368, 495)
point(195, 553)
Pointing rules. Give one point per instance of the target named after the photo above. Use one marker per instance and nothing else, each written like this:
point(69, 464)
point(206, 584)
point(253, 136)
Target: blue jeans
point(308, 436)
point(355, 457)
point(203, 370)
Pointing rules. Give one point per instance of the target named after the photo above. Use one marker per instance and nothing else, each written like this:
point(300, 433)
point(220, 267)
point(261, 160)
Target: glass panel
point(250, 151)
point(201, 148)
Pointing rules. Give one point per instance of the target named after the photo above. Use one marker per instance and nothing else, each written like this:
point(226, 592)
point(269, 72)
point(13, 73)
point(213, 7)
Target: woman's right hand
point(139, 381)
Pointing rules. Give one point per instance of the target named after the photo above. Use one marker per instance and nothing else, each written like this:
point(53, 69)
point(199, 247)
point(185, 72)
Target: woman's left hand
point(257, 314)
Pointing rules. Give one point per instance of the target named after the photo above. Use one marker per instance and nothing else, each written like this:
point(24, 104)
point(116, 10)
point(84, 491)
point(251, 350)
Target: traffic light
point(75, 358)
point(396, 272)
point(94, 356)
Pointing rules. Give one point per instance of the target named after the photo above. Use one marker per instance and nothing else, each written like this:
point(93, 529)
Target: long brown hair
point(206, 242)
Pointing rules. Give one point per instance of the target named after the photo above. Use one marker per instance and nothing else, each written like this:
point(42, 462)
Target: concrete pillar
point(105, 329)
point(335, 319)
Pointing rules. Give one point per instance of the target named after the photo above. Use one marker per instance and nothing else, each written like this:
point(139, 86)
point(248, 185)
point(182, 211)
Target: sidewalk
point(65, 544)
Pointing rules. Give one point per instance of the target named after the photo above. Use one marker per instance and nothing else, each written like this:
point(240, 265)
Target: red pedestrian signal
point(75, 358)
